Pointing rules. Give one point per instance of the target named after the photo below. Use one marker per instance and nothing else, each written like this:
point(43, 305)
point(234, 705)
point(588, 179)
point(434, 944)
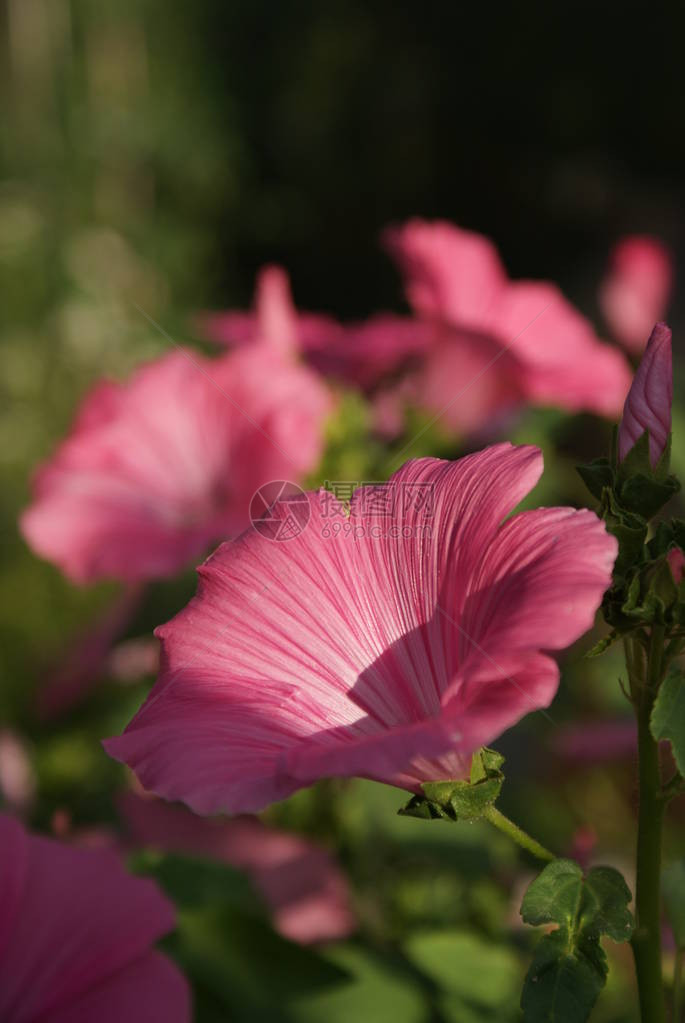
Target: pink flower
point(595, 742)
point(648, 405)
point(388, 644)
point(299, 881)
point(360, 354)
point(636, 290)
point(76, 936)
point(17, 777)
point(676, 561)
point(552, 354)
point(156, 469)
point(71, 678)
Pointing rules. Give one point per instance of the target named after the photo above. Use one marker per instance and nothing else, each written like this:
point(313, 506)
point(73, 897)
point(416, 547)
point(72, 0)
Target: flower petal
point(323, 654)
point(151, 988)
point(564, 363)
point(450, 274)
point(82, 919)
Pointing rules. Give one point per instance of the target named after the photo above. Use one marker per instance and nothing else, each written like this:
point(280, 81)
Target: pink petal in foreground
point(648, 405)
point(388, 644)
point(300, 882)
point(635, 293)
point(76, 936)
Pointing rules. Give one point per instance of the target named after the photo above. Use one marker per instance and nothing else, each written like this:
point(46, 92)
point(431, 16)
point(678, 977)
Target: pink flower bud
point(676, 561)
point(648, 405)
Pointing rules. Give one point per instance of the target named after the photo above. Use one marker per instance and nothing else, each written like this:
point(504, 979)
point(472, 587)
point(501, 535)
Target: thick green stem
point(519, 836)
point(647, 936)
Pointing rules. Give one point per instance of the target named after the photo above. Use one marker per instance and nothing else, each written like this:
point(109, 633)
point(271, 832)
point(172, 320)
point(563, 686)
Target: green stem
point(519, 836)
point(647, 935)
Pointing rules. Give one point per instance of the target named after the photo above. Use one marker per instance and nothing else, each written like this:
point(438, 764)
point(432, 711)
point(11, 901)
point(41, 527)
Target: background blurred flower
point(389, 655)
point(300, 882)
point(17, 777)
point(76, 935)
point(524, 332)
point(648, 405)
point(636, 290)
point(360, 354)
point(156, 469)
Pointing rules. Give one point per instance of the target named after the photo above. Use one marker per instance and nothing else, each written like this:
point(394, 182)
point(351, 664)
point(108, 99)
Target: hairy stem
point(646, 940)
point(519, 836)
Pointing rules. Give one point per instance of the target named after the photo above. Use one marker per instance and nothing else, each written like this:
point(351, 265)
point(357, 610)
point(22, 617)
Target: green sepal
point(668, 716)
point(636, 463)
point(460, 800)
point(597, 475)
point(638, 486)
point(629, 529)
point(603, 644)
point(569, 967)
point(644, 495)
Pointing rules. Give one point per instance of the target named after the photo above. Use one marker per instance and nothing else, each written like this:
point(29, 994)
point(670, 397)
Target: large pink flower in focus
point(636, 291)
point(361, 354)
point(648, 405)
point(300, 882)
point(76, 936)
point(389, 644)
point(157, 468)
point(525, 335)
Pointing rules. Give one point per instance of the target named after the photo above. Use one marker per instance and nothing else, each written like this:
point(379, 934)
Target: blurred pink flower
point(636, 290)
point(596, 741)
point(76, 935)
point(517, 341)
point(361, 354)
point(389, 648)
point(17, 777)
point(648, 405)
point(676, 560)
point(67, 683)
point(300, 882)
point(157, 468)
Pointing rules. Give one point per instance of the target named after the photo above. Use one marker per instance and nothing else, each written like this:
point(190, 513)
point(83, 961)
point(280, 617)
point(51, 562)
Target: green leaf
point(562, 987)
point(378, 990)
point(470, 969)
point(460, 800)
point(668, 716)
point(569, 967)
point(673, 886)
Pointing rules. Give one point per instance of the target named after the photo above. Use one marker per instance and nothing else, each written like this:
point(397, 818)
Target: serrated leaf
point(562, 986)
point(569, 966)
point(668, 716)
point(554, 895)
point(673, 887)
